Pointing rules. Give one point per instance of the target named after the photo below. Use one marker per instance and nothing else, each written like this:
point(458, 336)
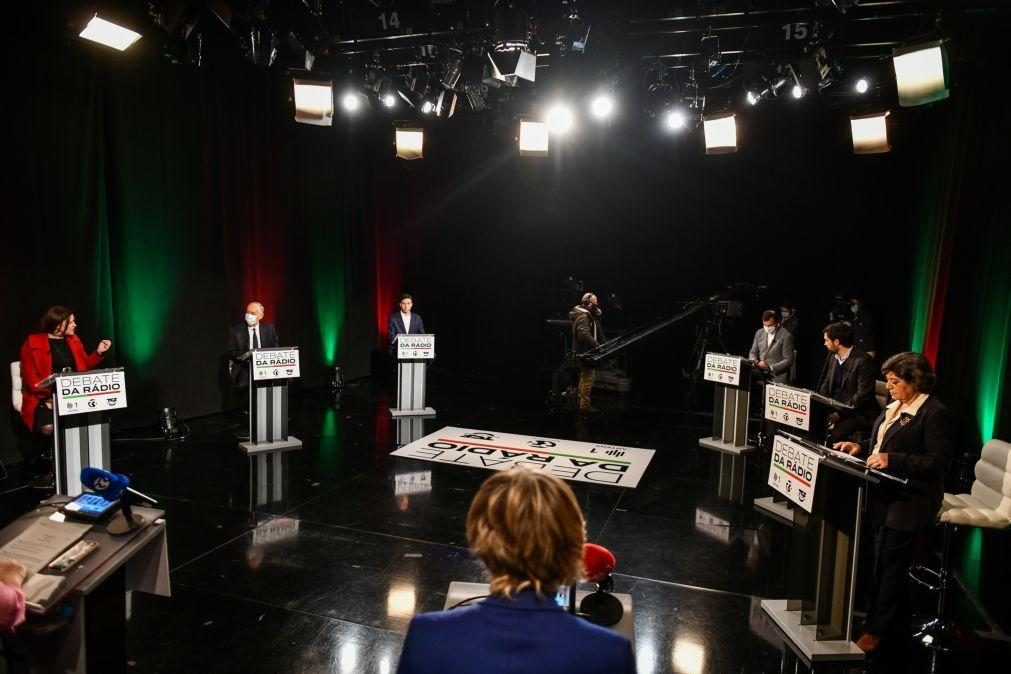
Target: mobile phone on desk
point(72, 556)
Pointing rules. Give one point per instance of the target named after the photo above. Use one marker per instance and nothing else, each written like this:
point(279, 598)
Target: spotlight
point(752, 98)
point(389, 100)
point(862, 86)
point(559, 119)
point(533, 139)
point(427, 107)
point(409, 143)
point(797, 91)
point(169, 422)
point(313, 102)
point(110, 34)
point(921, 73)
point(721, 133)
point(602, 106)
point(675, 119)
point(870, 133)
point(351, 102)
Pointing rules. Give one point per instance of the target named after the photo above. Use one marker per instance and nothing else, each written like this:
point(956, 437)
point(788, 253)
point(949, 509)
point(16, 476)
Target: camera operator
point(586, 335)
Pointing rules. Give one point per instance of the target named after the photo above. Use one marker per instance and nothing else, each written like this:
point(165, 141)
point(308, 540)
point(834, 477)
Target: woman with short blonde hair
point(526, 526)
point(528, 530)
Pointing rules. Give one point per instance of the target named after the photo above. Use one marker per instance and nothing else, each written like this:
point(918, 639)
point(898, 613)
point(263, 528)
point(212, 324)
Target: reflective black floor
point(316, 561)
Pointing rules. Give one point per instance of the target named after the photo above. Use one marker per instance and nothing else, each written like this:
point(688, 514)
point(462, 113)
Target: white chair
point(988, 506)
point(16, 386)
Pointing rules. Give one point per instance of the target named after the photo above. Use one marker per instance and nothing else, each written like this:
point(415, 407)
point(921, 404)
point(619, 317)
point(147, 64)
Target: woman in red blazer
point(55, 346)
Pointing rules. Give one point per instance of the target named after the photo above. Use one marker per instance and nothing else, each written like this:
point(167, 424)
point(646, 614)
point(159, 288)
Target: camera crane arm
point(609, 349)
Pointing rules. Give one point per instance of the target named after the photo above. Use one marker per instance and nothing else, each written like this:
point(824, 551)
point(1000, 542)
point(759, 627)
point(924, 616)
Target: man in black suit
point(848, 376)
point(403, 322)
point(252, 334)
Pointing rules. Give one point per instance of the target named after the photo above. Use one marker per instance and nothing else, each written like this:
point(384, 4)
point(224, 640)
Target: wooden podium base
point(251, 448)
point(768, 506)
point(394, 412)
point(802, 636)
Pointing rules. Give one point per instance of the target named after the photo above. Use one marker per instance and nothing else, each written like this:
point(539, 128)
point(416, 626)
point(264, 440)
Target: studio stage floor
point(319, 566)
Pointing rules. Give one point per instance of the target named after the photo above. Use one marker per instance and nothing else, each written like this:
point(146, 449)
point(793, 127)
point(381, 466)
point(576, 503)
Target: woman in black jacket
point(912, 438)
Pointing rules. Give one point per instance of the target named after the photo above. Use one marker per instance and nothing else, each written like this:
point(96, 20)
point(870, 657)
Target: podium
point(800, 412)
point(732, 376)
point(828, 491)
point(82, 404)
point(413, 355)
point(269, 373)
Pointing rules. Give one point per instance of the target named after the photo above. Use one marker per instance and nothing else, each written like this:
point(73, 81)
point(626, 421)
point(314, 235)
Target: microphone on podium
point(116, 487)
point(600, 607)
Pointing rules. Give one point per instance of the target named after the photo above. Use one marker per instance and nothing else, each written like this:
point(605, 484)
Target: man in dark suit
point(772, 348)
point(403, 322)
point(252, 334)
point(848, 376)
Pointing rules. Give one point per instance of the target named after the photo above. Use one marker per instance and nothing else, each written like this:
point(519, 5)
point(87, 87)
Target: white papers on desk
point(42, 541)
point(39, 589)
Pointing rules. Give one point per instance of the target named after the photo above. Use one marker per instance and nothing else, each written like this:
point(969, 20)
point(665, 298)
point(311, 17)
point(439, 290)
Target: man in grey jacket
point(772, 348)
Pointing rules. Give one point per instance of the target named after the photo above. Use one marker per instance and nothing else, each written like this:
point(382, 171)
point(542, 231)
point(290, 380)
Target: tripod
point(708, 334)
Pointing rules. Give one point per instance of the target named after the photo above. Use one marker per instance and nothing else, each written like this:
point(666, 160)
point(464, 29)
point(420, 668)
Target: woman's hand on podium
point(850, 448)
point(103, 346)
point(877, 461)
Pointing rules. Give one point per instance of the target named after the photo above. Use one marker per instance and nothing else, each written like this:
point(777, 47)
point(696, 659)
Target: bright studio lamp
point(313, 102)
point(870, 133)
point(921, 73)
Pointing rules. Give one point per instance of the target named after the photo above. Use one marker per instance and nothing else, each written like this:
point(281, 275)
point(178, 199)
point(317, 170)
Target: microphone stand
point(600, 607)
point(127, 521)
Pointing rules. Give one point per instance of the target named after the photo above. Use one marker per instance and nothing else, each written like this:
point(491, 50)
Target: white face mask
point(787, 314)
point(251, 319)
point(770, 329)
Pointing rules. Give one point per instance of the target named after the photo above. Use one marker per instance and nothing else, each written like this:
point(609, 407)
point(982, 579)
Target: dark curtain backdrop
point(156, 199)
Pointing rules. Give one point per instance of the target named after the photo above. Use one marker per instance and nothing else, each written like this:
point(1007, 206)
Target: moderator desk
point(95, 589)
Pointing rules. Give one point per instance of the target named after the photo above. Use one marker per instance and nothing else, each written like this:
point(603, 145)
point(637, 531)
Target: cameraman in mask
point(586, 335)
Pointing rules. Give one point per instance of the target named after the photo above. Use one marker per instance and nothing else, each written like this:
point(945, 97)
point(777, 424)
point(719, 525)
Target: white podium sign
point(275, 364)
point(415, 347)
point(723, 369)
point(794, 471)
point(95, 391)
point(788, 406)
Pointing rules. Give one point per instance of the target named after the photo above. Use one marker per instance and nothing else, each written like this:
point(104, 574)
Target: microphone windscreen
point(107, 485)
point(598, 562)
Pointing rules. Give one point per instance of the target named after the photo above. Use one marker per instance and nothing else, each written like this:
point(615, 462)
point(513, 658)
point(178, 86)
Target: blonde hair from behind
point(526, 526)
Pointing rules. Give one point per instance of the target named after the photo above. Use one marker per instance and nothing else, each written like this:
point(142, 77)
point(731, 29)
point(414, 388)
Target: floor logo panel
point(567, 459)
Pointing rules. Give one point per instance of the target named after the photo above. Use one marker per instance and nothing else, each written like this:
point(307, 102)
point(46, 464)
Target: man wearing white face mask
point(772, 348)
point(253, 334)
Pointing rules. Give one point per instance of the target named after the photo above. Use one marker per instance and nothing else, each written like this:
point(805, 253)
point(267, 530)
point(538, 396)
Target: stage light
point(602, 106)
point(921, 73)
point(870, 133)
point(533, 139)
point(797, 91)
point(862, 85)
point(108, 33)
point(721, 133)
point(752, 98)
point(313, 102)
point(427, 107)
point(389, 100)
point(409, 143)
point(351, 102)
point(559, 119)
point(675, 120)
